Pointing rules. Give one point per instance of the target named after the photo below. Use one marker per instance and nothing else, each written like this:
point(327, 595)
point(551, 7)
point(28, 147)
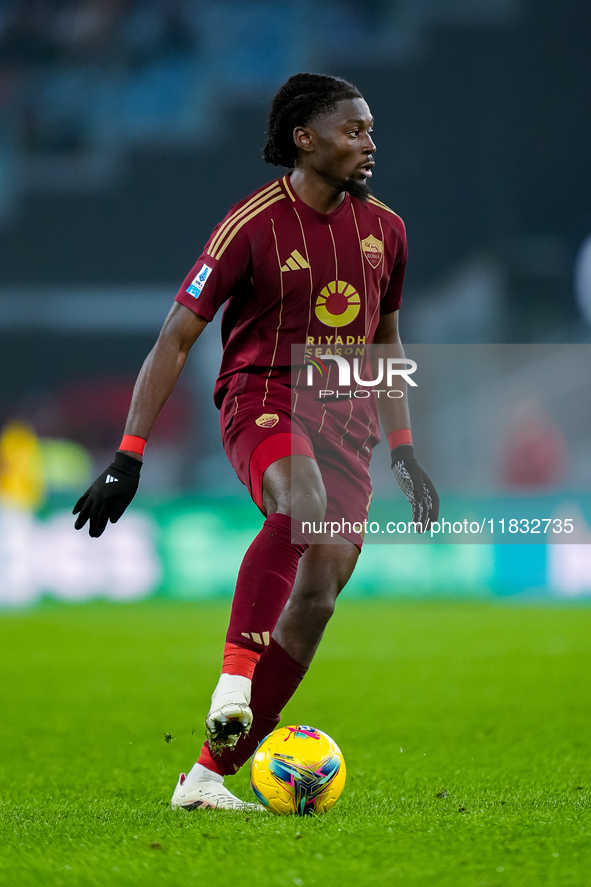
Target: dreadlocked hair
point(301, 99)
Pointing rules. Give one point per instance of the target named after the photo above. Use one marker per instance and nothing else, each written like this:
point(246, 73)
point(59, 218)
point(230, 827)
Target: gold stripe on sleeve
point(222, 246)
point(273, 188)
point(381, 205)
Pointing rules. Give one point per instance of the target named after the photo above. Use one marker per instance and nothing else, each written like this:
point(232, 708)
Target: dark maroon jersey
point(290, 275)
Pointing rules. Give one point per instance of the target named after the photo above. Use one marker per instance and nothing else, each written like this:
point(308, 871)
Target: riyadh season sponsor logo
point(356, 377)
point(195, 287)
point(338, 304)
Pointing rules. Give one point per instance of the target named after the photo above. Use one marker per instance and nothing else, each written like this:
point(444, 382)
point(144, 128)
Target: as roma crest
point(267, 420)
point(373, 250)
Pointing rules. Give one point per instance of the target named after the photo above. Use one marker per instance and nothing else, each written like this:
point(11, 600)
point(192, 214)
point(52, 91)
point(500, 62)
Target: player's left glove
point(416, 485)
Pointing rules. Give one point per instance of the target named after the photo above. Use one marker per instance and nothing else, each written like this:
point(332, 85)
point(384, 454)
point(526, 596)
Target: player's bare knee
point(316, 604)
point(307, 507)
point(308, 504)
point(294, 487)
point(307, 493)
point(304, 500)
point(323, 609)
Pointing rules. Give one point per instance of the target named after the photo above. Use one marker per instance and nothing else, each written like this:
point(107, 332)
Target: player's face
point(343, 147)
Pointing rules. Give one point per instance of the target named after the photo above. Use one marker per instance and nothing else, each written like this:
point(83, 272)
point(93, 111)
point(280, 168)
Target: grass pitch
point(465, 727)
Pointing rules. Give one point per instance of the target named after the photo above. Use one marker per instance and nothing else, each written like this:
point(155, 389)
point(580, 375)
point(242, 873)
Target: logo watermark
point(359, 374)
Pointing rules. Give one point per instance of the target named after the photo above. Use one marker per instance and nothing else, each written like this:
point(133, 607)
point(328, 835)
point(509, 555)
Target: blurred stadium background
point(128, 127)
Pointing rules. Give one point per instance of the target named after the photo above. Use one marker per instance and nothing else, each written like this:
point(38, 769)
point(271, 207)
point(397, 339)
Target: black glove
point(416, 485)
point(109, 495)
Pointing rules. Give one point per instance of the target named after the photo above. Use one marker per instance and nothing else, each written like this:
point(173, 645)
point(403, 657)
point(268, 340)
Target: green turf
point(465, 727)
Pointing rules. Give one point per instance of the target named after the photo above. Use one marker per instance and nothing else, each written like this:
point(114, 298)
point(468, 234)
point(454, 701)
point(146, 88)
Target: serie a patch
point(198, 282)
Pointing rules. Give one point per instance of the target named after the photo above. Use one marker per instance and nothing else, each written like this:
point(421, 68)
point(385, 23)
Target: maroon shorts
point(259, 427)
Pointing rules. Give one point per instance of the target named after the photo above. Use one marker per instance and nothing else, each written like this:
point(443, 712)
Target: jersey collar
point(324, 218)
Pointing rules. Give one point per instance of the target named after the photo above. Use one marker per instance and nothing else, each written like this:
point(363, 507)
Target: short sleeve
point(392, 298)
point(215, 275)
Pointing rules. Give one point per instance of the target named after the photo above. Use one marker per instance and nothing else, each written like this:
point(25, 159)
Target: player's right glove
point(416, 485)
point(109, 495)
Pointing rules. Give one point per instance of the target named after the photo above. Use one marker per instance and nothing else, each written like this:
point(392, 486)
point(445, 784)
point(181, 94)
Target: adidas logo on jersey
point(111, 480)
point(296, 262)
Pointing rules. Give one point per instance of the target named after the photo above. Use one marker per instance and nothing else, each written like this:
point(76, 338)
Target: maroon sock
point(264, 583)
point(276, 678)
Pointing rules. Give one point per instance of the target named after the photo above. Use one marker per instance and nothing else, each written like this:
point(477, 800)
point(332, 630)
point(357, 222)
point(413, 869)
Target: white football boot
point(201, 788)
point(229, 715)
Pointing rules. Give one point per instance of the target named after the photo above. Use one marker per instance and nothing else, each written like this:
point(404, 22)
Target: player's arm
point(393, 412)
point(162, 368)
point(111, 493)
point(413, 480)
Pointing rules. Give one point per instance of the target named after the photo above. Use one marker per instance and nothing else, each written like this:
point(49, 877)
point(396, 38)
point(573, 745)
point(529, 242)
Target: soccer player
point(312, 259)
